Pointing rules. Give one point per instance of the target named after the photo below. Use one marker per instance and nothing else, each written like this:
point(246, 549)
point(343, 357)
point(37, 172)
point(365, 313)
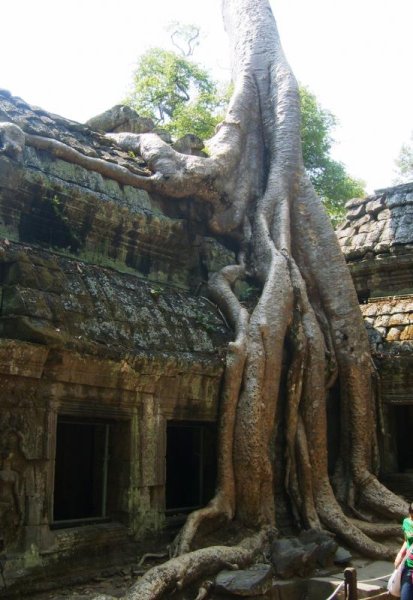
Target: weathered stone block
point(369, 310)
point(23, 359)
point(407, 333)
point(393, 334)
point(326, 545)
point(408, 307)
point(29, 302)
point(404, 232)
point(382, 331)
point(399, 199)
point(356, 212)
point(355, 202)
point(382, 321)
point(343, 233)
point(399, 319)
point(368, 227)
point(362, 221)
point(384, 215)
point(374, 206)
point(291, 557)
point(384, 308)
point(342, 556)
point(248, 582)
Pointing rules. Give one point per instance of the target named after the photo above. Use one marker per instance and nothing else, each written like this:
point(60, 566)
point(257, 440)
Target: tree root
point(376, 496)
point(218, 512)
point(174, 174)
point(262, 201)
point(222, 506)
point(112, 170)
point(177, 175)
point(333, 518)
point(151, 555)
point(184, 570)
point(319, 260)
point(378, 530)
point(203, 591)
point(307, 297)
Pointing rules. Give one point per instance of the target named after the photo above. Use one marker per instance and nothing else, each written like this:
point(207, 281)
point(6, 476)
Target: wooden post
point(350, 583)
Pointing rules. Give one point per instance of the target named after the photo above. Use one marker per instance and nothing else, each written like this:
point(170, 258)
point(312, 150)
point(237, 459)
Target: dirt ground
point(112, 582)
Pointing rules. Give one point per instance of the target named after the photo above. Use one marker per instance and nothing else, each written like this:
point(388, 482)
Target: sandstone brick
point(367, 227)
point(382, 321)
point(369, 310)
point(393, 335)
point(407, 333)
point(384, 309)
point(382, 331)
point(356, 212)
point(399, 319)
point(350, 232)
point(374, 206)
point(354, 202)
point(384, 215)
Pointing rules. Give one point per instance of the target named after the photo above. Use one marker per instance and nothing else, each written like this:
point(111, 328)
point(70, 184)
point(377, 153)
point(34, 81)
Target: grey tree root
point(260, 196)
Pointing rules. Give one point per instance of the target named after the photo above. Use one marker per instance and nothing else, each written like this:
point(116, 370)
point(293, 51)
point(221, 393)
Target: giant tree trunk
point(260, 195)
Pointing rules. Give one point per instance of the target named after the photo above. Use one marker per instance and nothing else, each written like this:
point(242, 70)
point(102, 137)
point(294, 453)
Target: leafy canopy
point(328, 176)
point(181, 97)
point(176, 93)
point(404, 163)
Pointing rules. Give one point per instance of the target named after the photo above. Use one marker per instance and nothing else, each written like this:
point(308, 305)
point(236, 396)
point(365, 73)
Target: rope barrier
point(362, 581)
point(336, 591)
point(376, 578)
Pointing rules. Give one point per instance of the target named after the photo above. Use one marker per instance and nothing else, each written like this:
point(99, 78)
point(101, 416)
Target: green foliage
point(316, 126)
point(198, 117)
point(176, 93)
point(404, 163)
point(181, 97)
point(155, 292)
point(328, 176)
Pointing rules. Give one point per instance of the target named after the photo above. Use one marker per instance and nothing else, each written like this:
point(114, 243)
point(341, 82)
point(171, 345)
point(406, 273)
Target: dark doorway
point(81, 469)
point(190, 465)
point(404, 428)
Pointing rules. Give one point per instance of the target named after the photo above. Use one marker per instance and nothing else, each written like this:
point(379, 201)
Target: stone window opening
point(91, 462)
point(190, 465)
point(403, 425)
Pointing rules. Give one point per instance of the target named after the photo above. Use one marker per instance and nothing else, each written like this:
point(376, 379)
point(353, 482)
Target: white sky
point(76, 57)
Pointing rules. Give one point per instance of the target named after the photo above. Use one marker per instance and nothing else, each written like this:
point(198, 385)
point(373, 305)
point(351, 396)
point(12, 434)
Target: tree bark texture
point(261, 197)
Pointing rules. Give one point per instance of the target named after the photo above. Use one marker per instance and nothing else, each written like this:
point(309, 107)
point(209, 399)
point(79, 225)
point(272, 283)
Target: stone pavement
point(115, 582)
point(372, 577)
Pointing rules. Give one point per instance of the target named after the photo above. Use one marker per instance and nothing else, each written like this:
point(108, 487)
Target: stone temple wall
point(110, 355)
point(107, 345)
point(377, 240)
